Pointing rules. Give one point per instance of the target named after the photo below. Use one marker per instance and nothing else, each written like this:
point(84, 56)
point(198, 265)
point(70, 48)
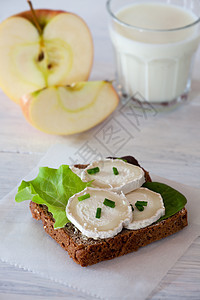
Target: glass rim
point(112, 14)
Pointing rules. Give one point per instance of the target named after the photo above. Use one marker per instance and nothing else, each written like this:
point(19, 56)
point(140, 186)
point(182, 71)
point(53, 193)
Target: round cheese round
point(148, 208)
point(99, 213)
point(115, 175)
point(77, 171)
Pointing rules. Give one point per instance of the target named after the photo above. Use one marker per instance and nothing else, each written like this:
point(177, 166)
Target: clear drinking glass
point(154, 64)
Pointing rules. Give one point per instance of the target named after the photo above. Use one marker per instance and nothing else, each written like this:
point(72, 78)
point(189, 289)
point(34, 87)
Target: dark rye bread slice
point(87, 251)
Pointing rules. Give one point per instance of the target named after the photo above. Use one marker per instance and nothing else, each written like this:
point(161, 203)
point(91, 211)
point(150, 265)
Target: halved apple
point(70, 109)
point(62, 53)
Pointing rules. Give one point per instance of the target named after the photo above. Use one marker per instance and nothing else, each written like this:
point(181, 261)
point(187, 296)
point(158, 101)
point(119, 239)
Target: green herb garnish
point(143, 203)
point(98, 213)
point(115, 171)
point(53, 188)
point(83, 197)
point(140, 205)
point(93, 170)
point(109, 203)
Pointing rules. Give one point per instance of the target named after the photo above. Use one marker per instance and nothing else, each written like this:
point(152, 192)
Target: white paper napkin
point(24, 243)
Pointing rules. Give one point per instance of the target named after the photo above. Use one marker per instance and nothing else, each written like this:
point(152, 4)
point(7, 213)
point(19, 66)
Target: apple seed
point(41, 56)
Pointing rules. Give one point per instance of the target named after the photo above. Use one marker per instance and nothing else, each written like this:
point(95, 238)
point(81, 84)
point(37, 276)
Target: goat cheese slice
point(77, 171)
point(83, 213)
point(152, 212)
point(129, 177)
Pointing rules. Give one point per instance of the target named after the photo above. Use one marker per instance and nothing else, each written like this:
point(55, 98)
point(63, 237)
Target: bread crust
point(87, 251)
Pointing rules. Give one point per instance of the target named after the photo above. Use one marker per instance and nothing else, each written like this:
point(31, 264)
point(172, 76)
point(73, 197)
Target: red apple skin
point(43, 15)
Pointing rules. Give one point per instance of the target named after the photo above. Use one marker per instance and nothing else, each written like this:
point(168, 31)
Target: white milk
point(157, 65)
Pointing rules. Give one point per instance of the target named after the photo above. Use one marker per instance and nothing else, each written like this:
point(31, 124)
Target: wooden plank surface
point(167, 145)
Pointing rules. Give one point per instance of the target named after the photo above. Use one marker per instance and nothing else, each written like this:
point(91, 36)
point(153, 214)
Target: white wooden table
point(167, 144)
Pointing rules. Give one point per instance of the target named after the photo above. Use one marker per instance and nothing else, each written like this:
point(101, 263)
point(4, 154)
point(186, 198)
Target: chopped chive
point(81, 198)
point(109, 203)
point(93, 170)
point(132, 207)
point(143, 203)
point(139, 207)
point(98, 213)
point(115, 171)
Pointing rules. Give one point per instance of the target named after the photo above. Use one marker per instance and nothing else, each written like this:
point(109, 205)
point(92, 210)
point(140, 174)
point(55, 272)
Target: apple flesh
point(70, 109)
point(29, 61)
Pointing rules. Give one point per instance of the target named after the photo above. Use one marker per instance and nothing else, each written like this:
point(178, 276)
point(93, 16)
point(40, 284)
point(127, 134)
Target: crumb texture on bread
point(86, 251)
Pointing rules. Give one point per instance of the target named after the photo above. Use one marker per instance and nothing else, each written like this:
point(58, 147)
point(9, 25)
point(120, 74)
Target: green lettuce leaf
point(174, 201)
point(52, 187)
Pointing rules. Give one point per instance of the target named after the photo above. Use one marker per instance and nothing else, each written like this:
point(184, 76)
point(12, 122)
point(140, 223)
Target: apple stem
point(35, 20)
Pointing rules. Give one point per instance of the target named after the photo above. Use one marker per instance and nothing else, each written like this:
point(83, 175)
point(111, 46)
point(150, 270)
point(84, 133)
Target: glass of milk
point(154, 44)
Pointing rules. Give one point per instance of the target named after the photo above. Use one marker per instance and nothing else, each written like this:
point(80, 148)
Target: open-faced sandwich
point(105, 209)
